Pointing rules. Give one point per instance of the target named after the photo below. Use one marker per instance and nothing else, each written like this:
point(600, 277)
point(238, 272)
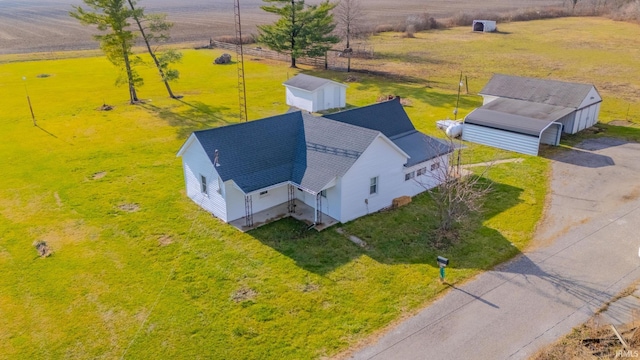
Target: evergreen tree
point(111, 16)
point(302, 30)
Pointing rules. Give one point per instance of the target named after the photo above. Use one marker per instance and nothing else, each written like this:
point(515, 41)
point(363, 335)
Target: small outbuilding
point(315, 94)
point(520, 113)
point(484, 26)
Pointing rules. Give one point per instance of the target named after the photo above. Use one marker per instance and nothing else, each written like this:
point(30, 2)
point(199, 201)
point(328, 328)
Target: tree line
point(301, 31)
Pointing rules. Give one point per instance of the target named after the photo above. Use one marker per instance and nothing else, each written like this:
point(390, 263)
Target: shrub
point(246, 39)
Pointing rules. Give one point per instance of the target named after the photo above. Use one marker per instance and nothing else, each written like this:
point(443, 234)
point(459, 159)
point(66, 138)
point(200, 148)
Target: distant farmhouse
point(520, 113)
point(323, 170)
point(315, 94)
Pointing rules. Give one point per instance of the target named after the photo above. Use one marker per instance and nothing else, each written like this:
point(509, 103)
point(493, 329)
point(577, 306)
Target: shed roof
point(309, 83)
point(529, 109)
point(509, 122)
point(551, 92)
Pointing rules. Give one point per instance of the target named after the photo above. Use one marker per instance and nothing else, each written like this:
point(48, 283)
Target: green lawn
point(139, 271)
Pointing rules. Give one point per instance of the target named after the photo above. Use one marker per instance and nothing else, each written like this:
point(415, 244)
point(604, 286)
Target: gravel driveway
point(585, 252)
point(594, 178)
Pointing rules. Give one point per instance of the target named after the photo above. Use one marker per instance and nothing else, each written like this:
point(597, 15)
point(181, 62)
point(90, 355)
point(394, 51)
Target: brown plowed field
point(44, 25)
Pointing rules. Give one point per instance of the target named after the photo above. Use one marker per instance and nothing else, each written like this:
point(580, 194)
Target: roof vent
point(215, 158)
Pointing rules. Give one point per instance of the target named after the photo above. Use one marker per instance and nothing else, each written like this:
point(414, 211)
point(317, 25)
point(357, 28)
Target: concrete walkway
point(514, 310)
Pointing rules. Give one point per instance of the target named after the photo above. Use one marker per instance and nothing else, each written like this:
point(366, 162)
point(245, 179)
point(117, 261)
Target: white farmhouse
point(320, 169)
point(314, 94)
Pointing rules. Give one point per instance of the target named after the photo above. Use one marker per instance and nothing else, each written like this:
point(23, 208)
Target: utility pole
point(242, 91)
point(33, 117)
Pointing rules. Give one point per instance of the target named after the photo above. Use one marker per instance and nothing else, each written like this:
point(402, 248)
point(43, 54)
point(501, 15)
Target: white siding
point(274, 196)
point(430, 179)
point(300, 99)
point(586, 117)
point(552, 135)
point(329, 96)
point(592, 98)
point(501, 139)
point(196, 163)
point(235, 202)
point(487, 99)
point(380, 159)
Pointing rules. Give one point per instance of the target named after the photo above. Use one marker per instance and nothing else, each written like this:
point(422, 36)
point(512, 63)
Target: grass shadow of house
point(191, 116)
point(399, 236)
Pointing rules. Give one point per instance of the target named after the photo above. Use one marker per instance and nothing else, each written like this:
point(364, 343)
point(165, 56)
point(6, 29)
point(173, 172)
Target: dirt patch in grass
point(98, 175)
point(165, 240)
point(244, 294)
point(129, 207)
point(622, 123)
point(58, 200)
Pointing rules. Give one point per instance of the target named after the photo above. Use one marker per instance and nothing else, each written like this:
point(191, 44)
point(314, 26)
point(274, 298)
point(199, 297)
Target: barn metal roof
point(551, 92)
point(308, 82)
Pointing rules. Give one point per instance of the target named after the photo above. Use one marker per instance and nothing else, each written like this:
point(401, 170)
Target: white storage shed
point(521, 113)
point(484, 26)
point(315, 94)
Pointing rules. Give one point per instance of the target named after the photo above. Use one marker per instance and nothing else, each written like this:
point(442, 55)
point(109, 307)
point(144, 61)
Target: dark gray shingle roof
point(331, 149)
point(258, 153)
point(308, 150)
point(552, 92)
point(308, 82)
point(389, 118)
point(420, 147)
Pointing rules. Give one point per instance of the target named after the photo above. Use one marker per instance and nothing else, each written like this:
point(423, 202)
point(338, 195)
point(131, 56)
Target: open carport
point(515, 125)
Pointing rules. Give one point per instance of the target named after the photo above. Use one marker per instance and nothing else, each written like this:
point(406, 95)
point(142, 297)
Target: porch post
point(291, 206)
point(318, 215)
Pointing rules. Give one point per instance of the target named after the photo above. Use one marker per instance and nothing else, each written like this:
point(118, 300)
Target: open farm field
point(139, 271)
point(42, 26)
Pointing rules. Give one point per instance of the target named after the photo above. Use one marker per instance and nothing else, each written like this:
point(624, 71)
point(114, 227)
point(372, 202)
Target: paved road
point(512, 311)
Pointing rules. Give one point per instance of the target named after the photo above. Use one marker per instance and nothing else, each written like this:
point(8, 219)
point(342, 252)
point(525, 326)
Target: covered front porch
point(301, 211)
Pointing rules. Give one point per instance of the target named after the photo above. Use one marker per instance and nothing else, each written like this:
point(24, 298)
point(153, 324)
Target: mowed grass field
point(139, 271)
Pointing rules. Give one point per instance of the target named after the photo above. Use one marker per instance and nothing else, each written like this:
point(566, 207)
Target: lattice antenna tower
point(242, 91)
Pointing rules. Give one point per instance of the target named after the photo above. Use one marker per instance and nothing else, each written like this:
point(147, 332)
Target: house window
point(264, 193)
point(373, 185)
point(435, 166)
point(422, 171)
point(203, 184)
point(409, 176)
point(323, 193)
point(220, 185)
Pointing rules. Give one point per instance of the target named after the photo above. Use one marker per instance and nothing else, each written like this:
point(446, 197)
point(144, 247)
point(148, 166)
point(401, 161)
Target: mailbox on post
point(442, 263)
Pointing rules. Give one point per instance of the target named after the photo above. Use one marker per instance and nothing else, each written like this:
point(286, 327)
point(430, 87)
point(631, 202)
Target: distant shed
point(484, 26)
point(314, 94)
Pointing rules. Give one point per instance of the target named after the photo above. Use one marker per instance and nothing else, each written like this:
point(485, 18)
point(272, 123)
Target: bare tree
point(457, 193)
point(349, 17)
